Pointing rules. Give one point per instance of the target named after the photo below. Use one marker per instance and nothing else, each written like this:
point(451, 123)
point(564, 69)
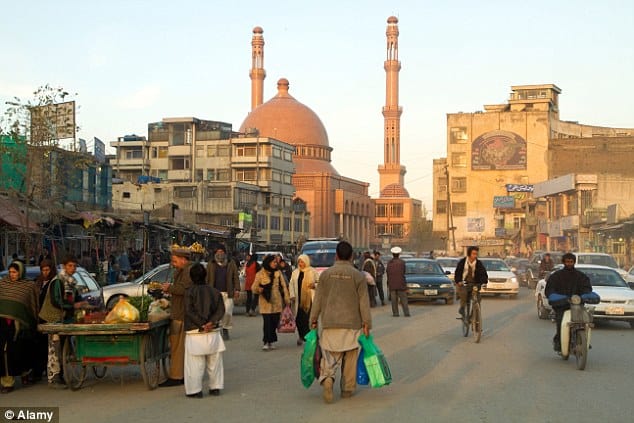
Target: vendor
point(182, 281)
point(60, 302)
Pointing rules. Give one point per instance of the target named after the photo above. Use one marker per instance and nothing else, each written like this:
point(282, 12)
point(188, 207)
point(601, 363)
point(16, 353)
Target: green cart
point(101, 345)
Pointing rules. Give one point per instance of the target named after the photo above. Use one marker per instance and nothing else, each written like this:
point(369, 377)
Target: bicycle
point(472, 318)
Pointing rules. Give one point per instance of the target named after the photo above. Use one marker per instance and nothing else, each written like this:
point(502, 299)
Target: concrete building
point(494, 157)
point(217, 179)
point(132, 158)
point(394, 210)
point(338, 206)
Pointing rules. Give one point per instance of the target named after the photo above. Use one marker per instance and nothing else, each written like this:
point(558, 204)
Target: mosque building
point(339, 206)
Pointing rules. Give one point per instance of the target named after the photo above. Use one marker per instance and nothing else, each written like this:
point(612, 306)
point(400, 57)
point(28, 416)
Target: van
point(322, 253)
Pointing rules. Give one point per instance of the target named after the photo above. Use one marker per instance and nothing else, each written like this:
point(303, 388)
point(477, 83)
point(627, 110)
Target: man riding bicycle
point(469, 271)
point(566, 282)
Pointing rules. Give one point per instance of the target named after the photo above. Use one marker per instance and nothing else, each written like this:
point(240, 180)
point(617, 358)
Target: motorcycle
point(576, 328)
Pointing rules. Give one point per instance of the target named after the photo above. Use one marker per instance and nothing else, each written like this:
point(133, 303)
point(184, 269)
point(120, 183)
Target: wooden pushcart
point(101, 345)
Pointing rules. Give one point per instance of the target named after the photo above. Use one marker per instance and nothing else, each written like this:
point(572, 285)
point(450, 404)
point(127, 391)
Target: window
point(459, 209)
point(306, 226)
point(380, 229)
point(298, 225)
point(458, 135)
point(245, 199)
point(287, 201)
point(223, 175)
point(288, 156)
point(276, 176)
point(126, 195)
point(441, 206)
point(396, 210)
point(276, 201)
point(218, 151)
point(586, 201)
point(246, 174)
point(381, 210)
point(218, 192)
point(277, 152)
point(459, 159)
point(200, 151)
point(199, 175)
point(573, 204)
point(211, 174)
point(265, 150)
point(398, 231)
point(517, 222)
point(162, 152)
point(154, 152)
point(185, 192)
point(459, 184)
point(134, 154)
point(179, 163)
point(287, 223)
point(288, 179)
point(442, 184)
point(265, 174)
point(262, 221)
point(181, 134)
point(162, 174)
point(244, 151)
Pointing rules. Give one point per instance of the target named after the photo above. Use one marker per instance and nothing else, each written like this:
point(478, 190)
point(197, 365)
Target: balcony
point(179, 175)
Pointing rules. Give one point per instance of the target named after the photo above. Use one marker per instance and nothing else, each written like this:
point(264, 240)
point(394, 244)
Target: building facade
point(213, 178)
point(484, 194)
point(338, 206)
point(394, 210)
point(132, 158)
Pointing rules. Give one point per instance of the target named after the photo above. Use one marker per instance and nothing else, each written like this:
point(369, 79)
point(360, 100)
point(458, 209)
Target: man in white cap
point(396, 282)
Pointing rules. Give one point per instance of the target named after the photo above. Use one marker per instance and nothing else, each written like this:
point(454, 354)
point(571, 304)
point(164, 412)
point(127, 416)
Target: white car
point(617, 297)
point(601, 259)
point(449, 264)
point(630, 275)
point(501, 280)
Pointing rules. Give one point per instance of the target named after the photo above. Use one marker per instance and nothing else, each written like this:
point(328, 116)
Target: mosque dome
point(394, 191)
point(286, 119)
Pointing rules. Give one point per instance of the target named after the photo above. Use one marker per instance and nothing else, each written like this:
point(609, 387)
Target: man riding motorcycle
point(565, 282)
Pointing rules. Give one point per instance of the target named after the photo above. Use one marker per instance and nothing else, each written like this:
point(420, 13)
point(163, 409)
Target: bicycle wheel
point(74, 371)
point(581, 349)
point(476, 321)
point(465, 321)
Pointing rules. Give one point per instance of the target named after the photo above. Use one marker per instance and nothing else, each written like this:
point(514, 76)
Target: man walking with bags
point(341, 305)
point(222, 274)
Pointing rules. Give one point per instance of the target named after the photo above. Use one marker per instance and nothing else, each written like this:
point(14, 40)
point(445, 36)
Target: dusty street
point(513, 375)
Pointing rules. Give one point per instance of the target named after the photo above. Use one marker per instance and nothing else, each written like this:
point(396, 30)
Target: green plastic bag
point(307, 370)
point(375, 363)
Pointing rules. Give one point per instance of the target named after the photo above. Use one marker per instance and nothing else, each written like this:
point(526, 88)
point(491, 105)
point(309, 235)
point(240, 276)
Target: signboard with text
point(475, 224)
point(504, 202)
point(519, 188)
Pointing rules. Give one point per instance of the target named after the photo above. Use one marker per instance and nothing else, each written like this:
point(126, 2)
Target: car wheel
point(542, 312)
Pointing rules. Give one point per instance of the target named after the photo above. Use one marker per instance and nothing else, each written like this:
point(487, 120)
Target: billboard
point(504, 202)
point(100, 150)
point(498, 150)
point(53, 122)
point(519, 188)
point(475, 224)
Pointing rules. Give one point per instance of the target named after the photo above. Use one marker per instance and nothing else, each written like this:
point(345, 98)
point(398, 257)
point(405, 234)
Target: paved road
point(512, 376)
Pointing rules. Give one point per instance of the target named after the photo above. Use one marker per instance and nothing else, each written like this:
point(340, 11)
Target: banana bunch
point(197, 247)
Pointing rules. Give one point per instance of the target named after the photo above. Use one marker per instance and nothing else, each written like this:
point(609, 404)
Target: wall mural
point(498, 150)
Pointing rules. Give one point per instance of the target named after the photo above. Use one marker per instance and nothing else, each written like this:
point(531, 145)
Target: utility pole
point(450, 227)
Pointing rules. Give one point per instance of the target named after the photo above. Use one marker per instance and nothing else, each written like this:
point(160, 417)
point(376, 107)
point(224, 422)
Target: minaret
point(391, 172)
point(257, 72)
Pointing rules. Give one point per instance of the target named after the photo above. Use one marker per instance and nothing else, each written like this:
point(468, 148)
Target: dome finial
point(282, 86)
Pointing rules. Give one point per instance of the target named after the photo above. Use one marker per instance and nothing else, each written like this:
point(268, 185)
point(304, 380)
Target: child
point(204, 308)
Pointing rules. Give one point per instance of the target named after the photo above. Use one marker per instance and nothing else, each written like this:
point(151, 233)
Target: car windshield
point(85, 282)
point(415, 267)
point(448, 262)
point(604, 277)
point(495, 266)
point(321, 258)
point(598, 259)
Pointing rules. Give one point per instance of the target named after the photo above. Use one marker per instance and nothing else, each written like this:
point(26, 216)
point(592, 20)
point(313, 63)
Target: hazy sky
point(134, 62)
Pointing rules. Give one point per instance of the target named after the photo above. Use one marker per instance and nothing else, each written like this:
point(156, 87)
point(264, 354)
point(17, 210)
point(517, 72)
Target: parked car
point(519, 266)
point(600, 259)
point(617, 296)
point(322, 254)
point(630, 275)
point(162, 273)
point(449, 265)
point(533, 275)
point(501, 280)
point(427, 281)
point(87, 286)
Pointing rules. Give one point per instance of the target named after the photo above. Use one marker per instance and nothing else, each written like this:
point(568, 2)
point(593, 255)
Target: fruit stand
point(119, 344)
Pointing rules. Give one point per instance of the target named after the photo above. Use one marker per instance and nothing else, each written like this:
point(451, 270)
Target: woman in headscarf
point(18, 310)
point(251, 268)
point(271, 287)
point(42, 283)
point(302, 291)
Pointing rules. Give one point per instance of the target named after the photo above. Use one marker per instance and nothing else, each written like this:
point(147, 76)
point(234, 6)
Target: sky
point(134, 62)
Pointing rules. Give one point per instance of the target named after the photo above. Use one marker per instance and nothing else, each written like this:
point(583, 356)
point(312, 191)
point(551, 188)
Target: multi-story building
point(132, 159)
point(213, 177)
point(494, 158)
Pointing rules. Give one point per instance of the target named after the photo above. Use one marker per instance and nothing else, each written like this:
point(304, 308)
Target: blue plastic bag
point(362, 372)
point(375, 363)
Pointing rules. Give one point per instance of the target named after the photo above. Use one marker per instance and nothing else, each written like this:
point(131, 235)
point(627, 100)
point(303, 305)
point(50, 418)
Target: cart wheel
point(74, 372)
point(150, 365)
point(165, 352)
point(100, 371)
